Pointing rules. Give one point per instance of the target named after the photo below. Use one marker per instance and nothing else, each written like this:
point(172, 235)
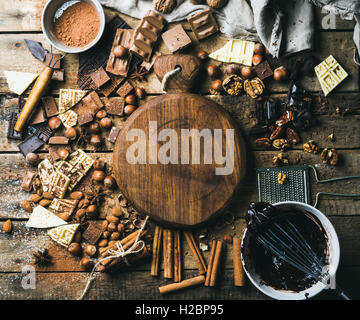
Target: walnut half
point(254, 87)
point(164, 6)
point(329, 156)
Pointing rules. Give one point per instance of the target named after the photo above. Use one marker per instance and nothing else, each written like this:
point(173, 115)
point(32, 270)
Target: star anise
point(42, 258)
point(97, 195)
point(139, 74)
point(83, 138)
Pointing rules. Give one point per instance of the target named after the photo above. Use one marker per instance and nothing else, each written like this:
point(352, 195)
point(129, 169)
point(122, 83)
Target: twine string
point(167, 76)
point(114, 254)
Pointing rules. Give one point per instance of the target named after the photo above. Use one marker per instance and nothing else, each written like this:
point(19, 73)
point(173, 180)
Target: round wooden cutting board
point(176, 193)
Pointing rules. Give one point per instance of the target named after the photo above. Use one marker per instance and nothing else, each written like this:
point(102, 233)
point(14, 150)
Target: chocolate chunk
point(44, 133)
point(148, 65)
point(125, 89)
point(85, 119)
point(52, 63)
point(58, 75)
point(120, 65)
point(97, 56)
point(176, 38)
point(50, 107)
point(99, 77)
point(203, 24)
point(53, 151)
point(115, 107)
point(87, 108)
point(114, 132)
point(31, 144)
point(28, 180)
point(36, 49)
point(21, 102)
point(263, 70)
point(12, 134)
point(146, 34)
point(92, 233)
point(58, 140)
point(38, 116)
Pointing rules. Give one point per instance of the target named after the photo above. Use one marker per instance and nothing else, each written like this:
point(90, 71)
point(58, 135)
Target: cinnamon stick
point(181, 285)
point(239, 274)
point(216, 263)
point(210, 264)
point(177, 256)
point(168, 253)
point(195, 252)
point(156, 251)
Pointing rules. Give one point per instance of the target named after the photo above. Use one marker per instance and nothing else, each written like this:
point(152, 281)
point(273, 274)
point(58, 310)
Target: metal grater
point(295, 188)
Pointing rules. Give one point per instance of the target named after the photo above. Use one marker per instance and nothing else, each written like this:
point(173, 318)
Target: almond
point(26, 205)
point(48, 195)
point(45, 202)
point(76, 195)
point(103, 243)
point(7, 227)
point(106, 234)
point(105, 225)
point(115, 236)
point(35, 198)
point(112, 219)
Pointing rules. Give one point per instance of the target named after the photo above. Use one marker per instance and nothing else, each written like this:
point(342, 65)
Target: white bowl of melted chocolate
point(73, 26)
point(279, 246)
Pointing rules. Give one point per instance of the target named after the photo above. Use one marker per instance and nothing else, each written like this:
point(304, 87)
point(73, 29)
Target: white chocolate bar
point(63, 235)
point(69, 97)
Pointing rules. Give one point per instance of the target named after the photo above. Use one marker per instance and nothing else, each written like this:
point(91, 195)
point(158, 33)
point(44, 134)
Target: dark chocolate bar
point(263, 70)
point(31, 144)
point(44, 133)
point(50, 107)
point(12, 134)
point(203, 24)
point(125, 89)
point(92, 233)
point(38, 116)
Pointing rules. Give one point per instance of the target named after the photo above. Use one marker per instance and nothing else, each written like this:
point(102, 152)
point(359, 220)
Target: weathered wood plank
point(17, 57)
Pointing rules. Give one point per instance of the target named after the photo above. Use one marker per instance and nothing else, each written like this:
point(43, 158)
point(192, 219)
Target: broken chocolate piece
point(146, 34)
point(203, 24)
point(115, 107)
point(125, 89)
point(44, 133)
point(69, 98)
point(50, 107)
point(54, 63)
point(114, 132)
point(92, 233)
point(38, 116)
point(12, 134)
point(99, 77)
point(58, 75)
point(28, 180)
point(263, 70)
point(176, 38)
point(53, 151)
point(120, 65)
point(65, 206)
point(111, 85)
point(31, 144)
point(87, 108)
point(85, 119)
point(59, 184)
point(69, 118)
point(58, 140)
point(36, 49)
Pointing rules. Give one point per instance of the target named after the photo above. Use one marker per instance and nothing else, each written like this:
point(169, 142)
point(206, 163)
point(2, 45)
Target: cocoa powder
point(78, 25)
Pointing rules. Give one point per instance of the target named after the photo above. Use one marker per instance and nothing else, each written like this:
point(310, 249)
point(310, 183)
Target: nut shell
point(233, 85)
point(254, 87)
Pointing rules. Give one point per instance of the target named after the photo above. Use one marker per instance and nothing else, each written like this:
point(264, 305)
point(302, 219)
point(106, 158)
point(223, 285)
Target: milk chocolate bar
point(58, 140)
point(12, 134)
point(87, 108)
point(203, 24)
point(92, 233)
point(58, 75)
point(30, 145)
point(125, 89)
point(28, 181)
point(99, 77)
point(38, 116)
point(50, 107)
point(120, 65)
point(176, 38)
point(146, 34)
point(111, 85)
point(115, 107)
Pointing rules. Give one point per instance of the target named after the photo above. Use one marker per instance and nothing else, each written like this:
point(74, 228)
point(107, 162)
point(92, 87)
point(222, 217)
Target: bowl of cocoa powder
point(73, 26)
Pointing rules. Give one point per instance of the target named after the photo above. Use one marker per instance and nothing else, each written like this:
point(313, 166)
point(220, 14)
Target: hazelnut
point(96, 140)
point(247, 72)
point(217, 85)
point(120, 52)
point(105, 123)
point(112, 219)
point(63, 153)
point(98, 176)
point(280, 74)
point(101, 114)
point(228, 238)
point(120, 228)
point(94, 128)
point(90, 250)
point(233, 69)
point(213, 71)
point(202, 55)
point(71, 133)
point(257, 58)
point(129, 109)
point(140, 93)
point(99, 164)
point(32, 158)
point(109, 182)
point(130, 99)
point(86, 263)
point(92, 210)
point(54, 123)
point(75, 249)
point(259, 48)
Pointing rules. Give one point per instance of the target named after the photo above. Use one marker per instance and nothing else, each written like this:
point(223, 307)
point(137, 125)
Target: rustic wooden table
point(20, 19)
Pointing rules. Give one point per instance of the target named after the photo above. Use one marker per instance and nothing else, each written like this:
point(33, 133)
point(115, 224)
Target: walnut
point(233, 85)
point(281, 178)
point(280, 160)
point(164, 6)
point(216, 4)
point(311, 147)
point(329, 156)
point(254, 87)
point(281, 144)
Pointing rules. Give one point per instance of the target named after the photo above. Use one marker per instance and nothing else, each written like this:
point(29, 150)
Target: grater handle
point(332, 179)
point(334, 194)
